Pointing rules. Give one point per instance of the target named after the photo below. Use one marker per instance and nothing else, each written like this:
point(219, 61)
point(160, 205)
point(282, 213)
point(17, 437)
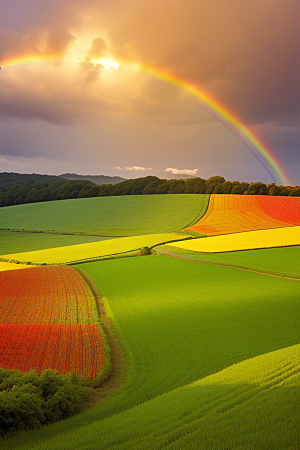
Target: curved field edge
point(229, 213)
point(233, 408)
point(93, 250)
point(108, 216)
point(175, 327)
point(275, 237)
point(55, 307)
point(282, 261)
point(19, 241)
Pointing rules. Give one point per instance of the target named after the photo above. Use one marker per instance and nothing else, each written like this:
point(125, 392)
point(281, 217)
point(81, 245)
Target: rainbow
point(260, 151)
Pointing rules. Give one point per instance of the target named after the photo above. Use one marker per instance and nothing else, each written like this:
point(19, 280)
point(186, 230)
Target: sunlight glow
point(106, 63)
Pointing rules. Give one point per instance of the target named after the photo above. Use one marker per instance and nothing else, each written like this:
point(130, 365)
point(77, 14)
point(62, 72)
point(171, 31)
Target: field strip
point(76, 253)
point(249, 240)
point(11, 266)
point(170, 255)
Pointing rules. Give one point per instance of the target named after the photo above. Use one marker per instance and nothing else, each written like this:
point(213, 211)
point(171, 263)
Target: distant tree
point(295, 192)
point(199, 186)
point(227, 187)
point(162, 188)
point(256, 188)
point(239, 188)
point(273, 189)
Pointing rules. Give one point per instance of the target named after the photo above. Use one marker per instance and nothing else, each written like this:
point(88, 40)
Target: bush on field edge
point(28, 400)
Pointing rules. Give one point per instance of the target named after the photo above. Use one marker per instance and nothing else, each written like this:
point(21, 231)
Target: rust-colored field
point(53, 294)
point(66, 348)
point(238, 213)
point(286, 208)
point(48, 320)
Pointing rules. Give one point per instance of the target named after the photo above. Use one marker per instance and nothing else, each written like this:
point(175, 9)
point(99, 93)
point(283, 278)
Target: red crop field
point(66, 348)
point(52, 294)
point(48, 320)
point(281, 207)
point(238, 213)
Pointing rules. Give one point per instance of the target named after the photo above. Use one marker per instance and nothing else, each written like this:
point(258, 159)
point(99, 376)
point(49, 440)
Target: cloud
point(134, 168)
point(181, 171)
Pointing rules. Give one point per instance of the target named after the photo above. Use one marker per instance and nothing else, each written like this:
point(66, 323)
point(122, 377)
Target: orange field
point(238, 213)
point(48, 320)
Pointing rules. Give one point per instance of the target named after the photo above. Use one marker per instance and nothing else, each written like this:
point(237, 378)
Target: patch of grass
point(109, 216)
point(179, 322)
point(279, 261)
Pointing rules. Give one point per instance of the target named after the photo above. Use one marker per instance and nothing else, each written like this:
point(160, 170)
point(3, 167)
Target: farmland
point(270, 238)
point(49, 319)
point(197, 329)
point(238, 213)
point(211, 351)
point(108, 216)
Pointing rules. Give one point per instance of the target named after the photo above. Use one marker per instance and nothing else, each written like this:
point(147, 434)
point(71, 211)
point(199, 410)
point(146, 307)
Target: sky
point(62, 110)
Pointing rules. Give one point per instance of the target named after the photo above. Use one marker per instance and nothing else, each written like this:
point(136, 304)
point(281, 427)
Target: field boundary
point(115, 377)
point(170, 255)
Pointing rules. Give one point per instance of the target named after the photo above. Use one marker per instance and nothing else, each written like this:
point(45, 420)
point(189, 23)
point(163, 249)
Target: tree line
point(64, 189)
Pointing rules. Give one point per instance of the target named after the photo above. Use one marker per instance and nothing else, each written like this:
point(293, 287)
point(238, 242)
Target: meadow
point(211, 351)
point(108, 216)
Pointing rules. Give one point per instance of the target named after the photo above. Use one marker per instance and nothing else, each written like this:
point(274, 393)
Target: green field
point(108, 216)
point(19, 242)
point(180, 322)
point(282, 261)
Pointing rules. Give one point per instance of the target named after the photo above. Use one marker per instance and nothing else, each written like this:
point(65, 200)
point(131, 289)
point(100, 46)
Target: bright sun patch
point(108, 63)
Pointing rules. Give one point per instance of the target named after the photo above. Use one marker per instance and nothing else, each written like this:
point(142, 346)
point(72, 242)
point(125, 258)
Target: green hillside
point(179, 322)
point(282, 261)
point(19, 242)
point(108, 216)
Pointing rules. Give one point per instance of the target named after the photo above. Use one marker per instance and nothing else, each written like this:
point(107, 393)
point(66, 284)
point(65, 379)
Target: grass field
point(106, 248)
point(178, 327)
point(283, 261)
point(108, 216)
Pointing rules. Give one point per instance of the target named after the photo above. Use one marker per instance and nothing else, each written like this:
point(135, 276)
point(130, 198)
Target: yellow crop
point(275, 237)
point(11, 266)
point(109, 247)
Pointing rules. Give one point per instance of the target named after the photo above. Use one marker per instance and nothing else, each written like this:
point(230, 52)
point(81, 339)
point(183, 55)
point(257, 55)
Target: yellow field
point(275, 237)
point(78, 252)
point(10, 266)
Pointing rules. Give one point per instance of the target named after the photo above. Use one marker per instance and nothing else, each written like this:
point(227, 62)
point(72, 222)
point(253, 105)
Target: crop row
point(281, 208)
point(66, 348)
point(237, 213)
point(54, 294)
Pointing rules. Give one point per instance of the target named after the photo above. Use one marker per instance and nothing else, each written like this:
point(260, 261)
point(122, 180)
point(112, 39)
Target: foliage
point(28, 401)
point(47, 190)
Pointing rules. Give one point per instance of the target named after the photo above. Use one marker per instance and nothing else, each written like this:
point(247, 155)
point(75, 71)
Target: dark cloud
point(243, 53)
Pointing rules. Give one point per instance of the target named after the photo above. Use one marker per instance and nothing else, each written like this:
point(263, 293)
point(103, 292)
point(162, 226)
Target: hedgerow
point(28, 400)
